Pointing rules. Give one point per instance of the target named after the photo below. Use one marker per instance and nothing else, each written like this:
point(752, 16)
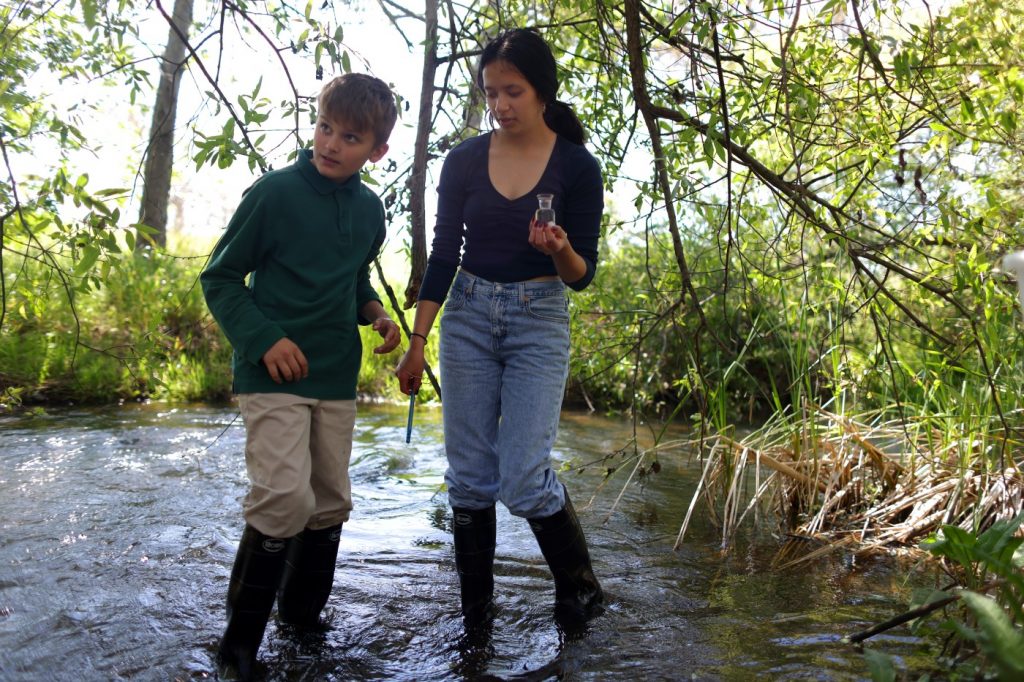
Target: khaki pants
point(297, 453)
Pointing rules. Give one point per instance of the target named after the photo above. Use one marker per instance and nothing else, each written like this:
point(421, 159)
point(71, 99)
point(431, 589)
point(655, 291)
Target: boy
point(305, 235)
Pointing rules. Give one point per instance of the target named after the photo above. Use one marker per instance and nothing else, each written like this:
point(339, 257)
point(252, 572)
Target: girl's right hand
point(410, 370)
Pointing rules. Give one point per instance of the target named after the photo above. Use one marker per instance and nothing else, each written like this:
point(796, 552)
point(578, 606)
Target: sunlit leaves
point(999, 639)
point(88, 257)
point(51, 45)
point(89, 11)
point(224, 148)
point(988, 565)
point(901, 157)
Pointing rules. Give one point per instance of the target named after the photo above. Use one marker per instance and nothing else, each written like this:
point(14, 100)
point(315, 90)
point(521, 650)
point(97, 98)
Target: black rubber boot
point(475, 533)
point(578, 595)
point(254, 580)
point(308, 576)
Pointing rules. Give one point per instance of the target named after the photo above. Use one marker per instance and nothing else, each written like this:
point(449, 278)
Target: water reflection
point(119, 527)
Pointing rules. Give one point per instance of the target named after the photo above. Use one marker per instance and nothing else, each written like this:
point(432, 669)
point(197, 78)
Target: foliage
point(986, 564)
point(146, 333)
point(83, 318)
point(824, 213)
point(820, 196)
point(831, 187)
point(985, 611)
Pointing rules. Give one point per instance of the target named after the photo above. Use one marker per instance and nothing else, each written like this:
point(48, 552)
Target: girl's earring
point(490, 118)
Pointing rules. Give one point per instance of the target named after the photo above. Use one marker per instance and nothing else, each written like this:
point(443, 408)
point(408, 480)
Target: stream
point(118, 527)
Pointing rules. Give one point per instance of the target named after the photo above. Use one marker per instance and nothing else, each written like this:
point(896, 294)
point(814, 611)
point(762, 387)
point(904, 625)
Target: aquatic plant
point(981, 609)
point(842, 483)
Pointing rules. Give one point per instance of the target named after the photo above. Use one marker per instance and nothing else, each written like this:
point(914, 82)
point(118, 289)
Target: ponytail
point(563, 120)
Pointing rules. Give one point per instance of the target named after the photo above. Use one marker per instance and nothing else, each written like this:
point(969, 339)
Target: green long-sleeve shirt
point(306, 244)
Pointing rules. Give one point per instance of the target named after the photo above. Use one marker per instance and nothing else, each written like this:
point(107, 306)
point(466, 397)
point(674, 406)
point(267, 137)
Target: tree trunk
point(472, 116)
point(156, 180)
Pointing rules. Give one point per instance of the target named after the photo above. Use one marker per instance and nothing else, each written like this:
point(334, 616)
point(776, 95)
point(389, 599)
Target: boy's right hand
point(285, 362)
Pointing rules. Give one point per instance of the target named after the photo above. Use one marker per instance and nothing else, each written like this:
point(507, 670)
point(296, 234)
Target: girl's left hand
point(548, 239)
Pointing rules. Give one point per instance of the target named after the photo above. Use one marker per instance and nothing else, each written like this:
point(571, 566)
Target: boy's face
point(339, 151)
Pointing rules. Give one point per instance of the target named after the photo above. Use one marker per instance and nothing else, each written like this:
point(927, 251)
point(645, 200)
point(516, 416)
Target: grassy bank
point(144, 333)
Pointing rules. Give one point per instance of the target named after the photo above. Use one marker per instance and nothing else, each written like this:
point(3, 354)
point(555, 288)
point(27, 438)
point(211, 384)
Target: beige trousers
point(297, 452)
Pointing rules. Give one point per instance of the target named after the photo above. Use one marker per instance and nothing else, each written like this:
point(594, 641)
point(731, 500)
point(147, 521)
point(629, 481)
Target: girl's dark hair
point(524, 49)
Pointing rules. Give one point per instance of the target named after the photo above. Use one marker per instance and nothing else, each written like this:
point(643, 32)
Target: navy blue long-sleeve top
point(488, 234)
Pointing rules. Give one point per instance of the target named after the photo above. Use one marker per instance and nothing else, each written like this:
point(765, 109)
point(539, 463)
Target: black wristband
point(412, 334)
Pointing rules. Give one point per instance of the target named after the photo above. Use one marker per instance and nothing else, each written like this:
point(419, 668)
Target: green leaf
point(880, 666)
point(709, 151)
point(966, 107)
point(89, 13)
point(955, 544)
point(89, 256)
point(999, 639)
point(1008, 120)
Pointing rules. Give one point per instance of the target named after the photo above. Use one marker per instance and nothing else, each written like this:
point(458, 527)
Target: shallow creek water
point(118, 527)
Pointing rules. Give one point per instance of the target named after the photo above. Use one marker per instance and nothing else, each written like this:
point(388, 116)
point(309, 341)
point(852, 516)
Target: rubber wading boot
point(308, 576)
point(475, 533)
point(578, 596)
point(254, 580)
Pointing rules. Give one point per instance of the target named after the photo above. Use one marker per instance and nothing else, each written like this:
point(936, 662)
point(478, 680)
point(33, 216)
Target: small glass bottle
point(545, 215)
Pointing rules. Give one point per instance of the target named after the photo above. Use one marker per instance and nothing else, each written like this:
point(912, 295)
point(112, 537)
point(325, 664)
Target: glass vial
point(545, 215)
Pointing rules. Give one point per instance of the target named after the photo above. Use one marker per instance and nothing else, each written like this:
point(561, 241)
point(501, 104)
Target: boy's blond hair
point(361, 101)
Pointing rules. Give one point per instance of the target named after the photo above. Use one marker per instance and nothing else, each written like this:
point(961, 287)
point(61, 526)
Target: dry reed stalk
point(820, 519)
point(903, 533)
point(901, 503)
point(639, 461)
point(693, 503)
point(844, 541)
point(732, 498)
point(831, 470)
point(759, 492)
point(888, 468)
point(937, 495)
point(775, 464)
point(1004, 497)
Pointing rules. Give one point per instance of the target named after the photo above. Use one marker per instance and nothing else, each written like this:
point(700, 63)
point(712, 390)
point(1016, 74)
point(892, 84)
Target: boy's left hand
point(389, 331)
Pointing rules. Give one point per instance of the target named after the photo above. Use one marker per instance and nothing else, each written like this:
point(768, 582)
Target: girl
point(504, 350)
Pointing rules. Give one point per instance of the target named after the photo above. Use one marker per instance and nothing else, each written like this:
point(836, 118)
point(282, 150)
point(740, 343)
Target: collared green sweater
point(306, 244)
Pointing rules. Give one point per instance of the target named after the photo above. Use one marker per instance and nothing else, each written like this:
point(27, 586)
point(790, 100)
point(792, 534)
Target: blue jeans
point(504, 361)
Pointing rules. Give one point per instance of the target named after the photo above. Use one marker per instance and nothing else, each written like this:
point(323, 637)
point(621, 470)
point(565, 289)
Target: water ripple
point(118, 528)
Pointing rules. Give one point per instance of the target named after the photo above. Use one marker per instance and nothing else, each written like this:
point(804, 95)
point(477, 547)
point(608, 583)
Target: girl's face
point(512, 101)
point(339, 151)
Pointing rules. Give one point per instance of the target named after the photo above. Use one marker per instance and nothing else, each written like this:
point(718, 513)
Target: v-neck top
point(488, 234)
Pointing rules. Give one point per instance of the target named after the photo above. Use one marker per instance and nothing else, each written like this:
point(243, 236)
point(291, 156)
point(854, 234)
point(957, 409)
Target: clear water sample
point(545, 215)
